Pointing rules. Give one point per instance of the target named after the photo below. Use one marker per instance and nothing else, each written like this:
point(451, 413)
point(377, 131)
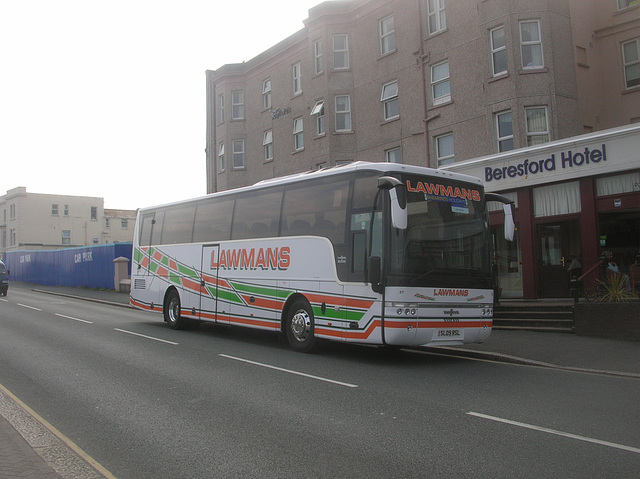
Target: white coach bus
point(374, 253)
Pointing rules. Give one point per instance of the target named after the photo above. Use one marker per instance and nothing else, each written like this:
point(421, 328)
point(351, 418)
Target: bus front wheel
point(300, 327)
point(172, 311)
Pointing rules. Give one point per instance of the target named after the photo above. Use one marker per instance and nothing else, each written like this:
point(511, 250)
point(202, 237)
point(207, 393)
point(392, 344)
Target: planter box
point(608, 320)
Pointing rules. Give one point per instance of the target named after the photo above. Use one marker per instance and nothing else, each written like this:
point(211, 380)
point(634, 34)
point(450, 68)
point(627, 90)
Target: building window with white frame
point(221, 158)
point(318, 112)
point(220, 106)
point(267, 144)
point(387, 36)
point(393, 155)
point(340, 52)
point(537, 125)
point(504, 131)
point(389, 99)
point(498, 51)
point(631, 60)
point(440, 84)
point(317, 57)
point(436, 18)
point(266, 94)
point(624, 4)
point(237, 105)
point(343, 113)
point(296, 75)
point(298, 134)
point(94, 213)
point(444, 149)
point(238, 154)
point(66, 237)
point(66, 210)
point(531, 44)
point(54, 210)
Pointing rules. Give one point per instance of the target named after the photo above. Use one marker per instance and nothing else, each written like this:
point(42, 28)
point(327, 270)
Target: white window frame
point(531, 44)
point(238, 154)
point(500, 136)
point(390, 102)
point(296, 76)
point(343, 116)
point(221, 165)
point(500, 50)
point(267, 143)
point(341, 53)
point(438, 100)
point(387, 35)
point(298, 134)
point(54, 209)
point(318, 112)
point(317, 57)
point(633, 65)
point(436, 18)
point(220, 108)
point(66, 210)
point(394, 155)
point(533, 135)
point(624, 4)
point(444, 158)
point(237, 105)
point(266, 94)
point(66, 237)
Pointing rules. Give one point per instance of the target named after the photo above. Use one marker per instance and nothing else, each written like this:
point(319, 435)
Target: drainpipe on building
point(211, 141)
point(422, 58)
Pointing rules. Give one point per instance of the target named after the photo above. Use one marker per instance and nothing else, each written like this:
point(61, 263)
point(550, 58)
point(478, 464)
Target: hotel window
point(624, 4)
point(94, 213)
point(237, 105)
point(389, 100)
point(66, 237)
point(298, 134)
point(393, 156)
point(435, 16)
point(537, 125)
point(318, 112)
point(340, 52)
point(498, 51)
point(54, 210)
point(531, 45)
point(343, 113)
point(387, 36)
point(124, 223)
point(221, 108)
point(317, 57)
point(66, 210)
point(296, 73)
point(238, 154)
point(631, 59)
point(444, 149)
point(504, 131)
point(266, 94)
point(440, 85)
point(221, 158)
point(267, 143)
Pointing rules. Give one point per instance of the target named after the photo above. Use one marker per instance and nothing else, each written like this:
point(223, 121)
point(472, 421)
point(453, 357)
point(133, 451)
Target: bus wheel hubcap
point(301, 325)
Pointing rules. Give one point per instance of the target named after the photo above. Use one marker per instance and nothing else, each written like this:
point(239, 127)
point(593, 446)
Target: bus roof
point(381, 167)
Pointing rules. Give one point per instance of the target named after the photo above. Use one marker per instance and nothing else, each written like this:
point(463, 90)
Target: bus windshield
point(446, 241)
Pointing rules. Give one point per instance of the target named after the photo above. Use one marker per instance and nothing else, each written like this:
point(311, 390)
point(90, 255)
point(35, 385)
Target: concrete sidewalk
point(29, 448)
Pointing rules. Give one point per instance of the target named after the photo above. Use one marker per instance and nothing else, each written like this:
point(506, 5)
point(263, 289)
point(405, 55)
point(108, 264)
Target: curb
point(84, 298)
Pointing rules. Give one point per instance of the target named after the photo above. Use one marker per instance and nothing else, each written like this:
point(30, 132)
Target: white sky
point(107, 98)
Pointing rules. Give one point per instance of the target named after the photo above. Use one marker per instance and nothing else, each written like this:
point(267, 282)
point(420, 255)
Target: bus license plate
point(447, 334)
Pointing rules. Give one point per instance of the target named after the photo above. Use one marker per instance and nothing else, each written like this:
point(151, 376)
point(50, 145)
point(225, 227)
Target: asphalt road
point(149, 402)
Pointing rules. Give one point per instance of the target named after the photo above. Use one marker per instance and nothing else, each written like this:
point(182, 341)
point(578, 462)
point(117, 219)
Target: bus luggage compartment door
point(210, 285)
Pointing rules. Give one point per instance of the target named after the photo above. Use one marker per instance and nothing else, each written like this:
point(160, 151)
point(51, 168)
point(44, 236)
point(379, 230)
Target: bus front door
point(210, 285)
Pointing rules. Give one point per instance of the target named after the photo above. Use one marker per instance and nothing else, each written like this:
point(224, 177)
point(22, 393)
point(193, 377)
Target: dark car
point(4, 279)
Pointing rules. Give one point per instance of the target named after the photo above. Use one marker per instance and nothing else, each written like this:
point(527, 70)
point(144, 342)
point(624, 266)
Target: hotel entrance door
point(558, 244)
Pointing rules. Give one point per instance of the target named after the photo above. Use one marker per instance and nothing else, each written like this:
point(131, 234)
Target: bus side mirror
point(375, 273)
point(398, 197)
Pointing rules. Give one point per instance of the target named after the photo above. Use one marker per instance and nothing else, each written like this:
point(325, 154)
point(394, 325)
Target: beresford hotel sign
point(600, 153)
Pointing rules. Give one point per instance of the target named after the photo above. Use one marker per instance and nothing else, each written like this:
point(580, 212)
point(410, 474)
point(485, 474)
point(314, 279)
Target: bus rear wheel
point(172, 310)
point(300, 327)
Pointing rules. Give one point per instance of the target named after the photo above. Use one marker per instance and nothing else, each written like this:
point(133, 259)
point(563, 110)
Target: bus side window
point(213, 220)
point(257, 215)
point(178, 224)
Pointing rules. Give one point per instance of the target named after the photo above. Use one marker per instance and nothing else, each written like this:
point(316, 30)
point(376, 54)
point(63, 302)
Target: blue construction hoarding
point(84, 267)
